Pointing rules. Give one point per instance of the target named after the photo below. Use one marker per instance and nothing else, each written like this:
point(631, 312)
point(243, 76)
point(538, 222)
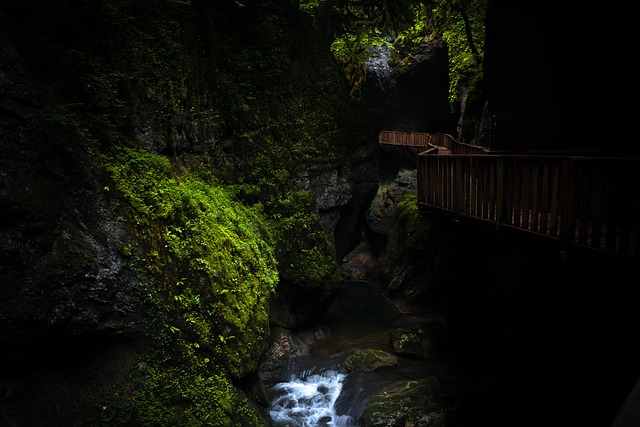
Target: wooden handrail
point(591, 202)
point(445, 142)
point(407, 139)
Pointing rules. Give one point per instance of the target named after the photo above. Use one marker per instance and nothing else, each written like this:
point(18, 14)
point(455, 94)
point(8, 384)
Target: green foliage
point(224, 246)
point(358, 29)
point(352, 51)
point(413, 225)
point(310, 6)
point(461, 24)
point(413, 36)
point(180, 396)
point(214, 315)
point(303, 250)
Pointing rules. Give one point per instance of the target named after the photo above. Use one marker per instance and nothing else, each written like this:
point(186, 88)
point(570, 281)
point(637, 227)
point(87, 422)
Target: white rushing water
point(308, 401)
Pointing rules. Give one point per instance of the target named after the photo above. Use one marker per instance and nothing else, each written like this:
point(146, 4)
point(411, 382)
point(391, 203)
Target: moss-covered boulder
point(413, 403)
point(368, 360)
point(418, 342)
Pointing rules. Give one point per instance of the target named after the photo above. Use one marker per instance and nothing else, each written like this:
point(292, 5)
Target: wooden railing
point(435, 142)
point(592, 202)
point(406, 139)
point(446, 141)
point(585, 198)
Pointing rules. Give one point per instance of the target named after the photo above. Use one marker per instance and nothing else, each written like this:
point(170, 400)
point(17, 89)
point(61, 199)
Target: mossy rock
point(407, 403)
point(417, 343)
point(369, 360)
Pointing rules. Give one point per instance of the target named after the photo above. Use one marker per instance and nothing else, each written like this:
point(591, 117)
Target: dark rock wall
point(414, 97)
point(62, 274)
point(69, 316)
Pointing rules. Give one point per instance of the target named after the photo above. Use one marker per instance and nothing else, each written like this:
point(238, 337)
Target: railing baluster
point(555, 191)
point(499, 189)
point(625, 205)
point(544, 200)
point(600, 181)
point(535, 192)
point(517, 189)
point(584, 194)
point(526, 194)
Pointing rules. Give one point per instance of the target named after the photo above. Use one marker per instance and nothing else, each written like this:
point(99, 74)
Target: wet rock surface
point(421, 342)
point(358, 330)
point(418, 403)
point(69, 317)
point(369, 360)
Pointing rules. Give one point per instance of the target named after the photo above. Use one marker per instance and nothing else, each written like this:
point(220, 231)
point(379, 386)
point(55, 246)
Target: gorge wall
point(157, 184)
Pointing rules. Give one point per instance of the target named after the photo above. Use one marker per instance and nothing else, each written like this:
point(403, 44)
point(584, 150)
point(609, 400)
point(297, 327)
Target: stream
point(319, 391)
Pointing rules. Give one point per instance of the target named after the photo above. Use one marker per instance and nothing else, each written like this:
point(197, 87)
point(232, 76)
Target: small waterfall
point(308, 400)
point(315, 389)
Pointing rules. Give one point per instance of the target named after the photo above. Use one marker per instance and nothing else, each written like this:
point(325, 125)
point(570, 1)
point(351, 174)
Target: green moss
point(221, 248)
point(211, 270)
point(413, 402)
point(179, 396)
point(413, 232)
point(412, 224)
point(304, 252)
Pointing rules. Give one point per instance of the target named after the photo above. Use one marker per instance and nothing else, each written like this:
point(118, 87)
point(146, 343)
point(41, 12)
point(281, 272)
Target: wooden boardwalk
point(587, 201)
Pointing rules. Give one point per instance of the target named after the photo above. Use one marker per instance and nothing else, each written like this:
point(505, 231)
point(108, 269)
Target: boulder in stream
point(415, 403)
point(369, 360)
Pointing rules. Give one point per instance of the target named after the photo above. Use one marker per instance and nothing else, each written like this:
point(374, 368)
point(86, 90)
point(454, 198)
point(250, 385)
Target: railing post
point(567, 210)
point(422, 179)
point(458, 185)
point(500, 191)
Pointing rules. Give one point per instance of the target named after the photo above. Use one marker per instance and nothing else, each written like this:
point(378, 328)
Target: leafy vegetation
point(411, 222)
point(210, 270)
point(360, 29)
point(461, 24)
point(296, 221)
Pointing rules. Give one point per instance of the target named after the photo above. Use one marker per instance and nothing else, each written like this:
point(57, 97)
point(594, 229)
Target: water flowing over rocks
point(284, 345)
point(380, 353)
